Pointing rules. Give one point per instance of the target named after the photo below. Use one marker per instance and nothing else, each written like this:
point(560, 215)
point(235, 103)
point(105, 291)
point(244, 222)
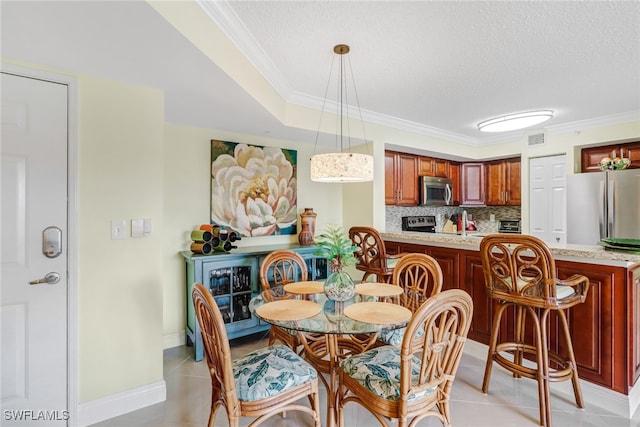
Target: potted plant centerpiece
point(336, 246)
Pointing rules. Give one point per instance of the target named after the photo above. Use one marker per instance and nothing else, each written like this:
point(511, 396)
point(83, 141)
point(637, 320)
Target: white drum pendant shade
point(342, 167)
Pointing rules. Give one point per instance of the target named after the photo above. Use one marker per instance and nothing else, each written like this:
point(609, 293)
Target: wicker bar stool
point(372, 255)
point(520, 272)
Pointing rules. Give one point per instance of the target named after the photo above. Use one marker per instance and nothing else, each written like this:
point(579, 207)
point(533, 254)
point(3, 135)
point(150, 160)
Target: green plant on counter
point(336, 246)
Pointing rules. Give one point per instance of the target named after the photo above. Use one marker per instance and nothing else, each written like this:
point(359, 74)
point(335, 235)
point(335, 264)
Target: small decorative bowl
point(614, 164)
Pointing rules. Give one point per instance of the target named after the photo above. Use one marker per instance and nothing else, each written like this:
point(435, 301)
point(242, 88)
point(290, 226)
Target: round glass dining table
point(331, 331)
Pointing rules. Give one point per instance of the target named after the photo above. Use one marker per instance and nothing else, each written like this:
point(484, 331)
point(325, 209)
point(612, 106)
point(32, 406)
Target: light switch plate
point(117, 229)
point(147, 227)
point(137, 227)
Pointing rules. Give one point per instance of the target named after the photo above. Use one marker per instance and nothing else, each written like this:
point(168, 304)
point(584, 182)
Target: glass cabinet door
point(317, 267)
point(232, 284)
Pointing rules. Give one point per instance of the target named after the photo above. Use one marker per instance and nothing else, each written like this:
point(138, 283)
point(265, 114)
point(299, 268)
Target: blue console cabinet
point(233, 279)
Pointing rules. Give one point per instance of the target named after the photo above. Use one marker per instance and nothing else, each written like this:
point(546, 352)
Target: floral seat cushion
point(562, 291)
point(269, 371)
point(378, 370)
point(391, 262)
point(394, 337)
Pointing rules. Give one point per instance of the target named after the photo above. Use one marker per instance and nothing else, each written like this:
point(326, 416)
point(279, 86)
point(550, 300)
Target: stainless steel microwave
point(436, 191)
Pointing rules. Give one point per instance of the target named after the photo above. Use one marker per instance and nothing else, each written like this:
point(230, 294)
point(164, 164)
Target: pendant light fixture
point(343, 166)
point(515, 121)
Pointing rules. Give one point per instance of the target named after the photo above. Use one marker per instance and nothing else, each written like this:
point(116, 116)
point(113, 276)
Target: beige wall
point(120, 176)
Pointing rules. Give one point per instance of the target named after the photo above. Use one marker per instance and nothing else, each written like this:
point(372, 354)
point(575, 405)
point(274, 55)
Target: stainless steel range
point(421, 223)
point(509, 226)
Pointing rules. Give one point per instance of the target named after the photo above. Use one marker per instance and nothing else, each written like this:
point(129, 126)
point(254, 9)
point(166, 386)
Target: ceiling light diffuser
point(515, 121)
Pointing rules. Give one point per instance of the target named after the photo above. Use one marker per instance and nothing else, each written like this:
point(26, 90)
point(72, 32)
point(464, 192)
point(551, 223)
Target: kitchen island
point(605, 331)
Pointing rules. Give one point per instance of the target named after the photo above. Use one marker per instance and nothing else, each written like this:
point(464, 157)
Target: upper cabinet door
point(401, 179)
point(495, 183)
point(503, 183)
point(454, 174)
point(407, 180)
point(591, 157)
point(473, 184)
point(390, 190)
point(631, 151)
point(430, 166)
point(512, 180)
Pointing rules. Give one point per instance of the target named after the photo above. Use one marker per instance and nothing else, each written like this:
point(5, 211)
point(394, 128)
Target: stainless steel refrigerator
point(603, 205)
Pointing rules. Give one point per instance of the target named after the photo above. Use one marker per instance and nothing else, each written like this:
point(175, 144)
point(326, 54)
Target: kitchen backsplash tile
point(482, 215)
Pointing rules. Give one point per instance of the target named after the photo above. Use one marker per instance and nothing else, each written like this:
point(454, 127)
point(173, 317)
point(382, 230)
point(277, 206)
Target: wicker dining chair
point(519, 271)
point(372, 254)
point(260, 384)
point(420, 277)
point(414, 381)
point(277, 269)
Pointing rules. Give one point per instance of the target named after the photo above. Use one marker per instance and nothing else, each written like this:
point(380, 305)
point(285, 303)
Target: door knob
point(50, 279)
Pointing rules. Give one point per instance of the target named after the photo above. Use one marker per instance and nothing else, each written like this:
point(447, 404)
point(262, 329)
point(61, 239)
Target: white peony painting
point(253, 188)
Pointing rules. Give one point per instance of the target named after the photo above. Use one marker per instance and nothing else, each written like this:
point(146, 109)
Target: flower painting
point(253, 188)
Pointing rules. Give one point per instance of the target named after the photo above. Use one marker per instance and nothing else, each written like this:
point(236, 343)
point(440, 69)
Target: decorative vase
point(339, 286)
point(308, 223)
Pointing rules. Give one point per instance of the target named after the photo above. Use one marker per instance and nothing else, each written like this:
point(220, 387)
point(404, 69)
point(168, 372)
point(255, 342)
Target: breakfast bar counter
point(605, 329)
point(591, 254)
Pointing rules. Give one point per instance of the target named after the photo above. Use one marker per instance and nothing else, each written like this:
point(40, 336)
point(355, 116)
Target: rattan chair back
point(279, 268)
point(371, 254)
point(420, 276)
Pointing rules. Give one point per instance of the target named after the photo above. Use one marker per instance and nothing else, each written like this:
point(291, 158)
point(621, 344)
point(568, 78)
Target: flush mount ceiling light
point(515, 121)
point(342, 166)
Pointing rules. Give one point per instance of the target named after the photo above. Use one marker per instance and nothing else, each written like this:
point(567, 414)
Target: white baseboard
point(175, 339)
point(121, 403)
point(618, 403)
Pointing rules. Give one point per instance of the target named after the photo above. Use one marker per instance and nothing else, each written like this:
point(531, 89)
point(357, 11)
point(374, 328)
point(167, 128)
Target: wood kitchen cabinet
point(400, 179)
point(431, 166)
point(449, 261)
point(604, 329)
point(454, 175)
point(473, 282)
point(472, 184)
point(503, 182)
point(603, 320)
point(591, 156)
point(634, 322)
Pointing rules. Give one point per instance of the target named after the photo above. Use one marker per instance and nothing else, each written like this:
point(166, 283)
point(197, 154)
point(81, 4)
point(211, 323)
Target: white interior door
point(34, 199)
point(548, 198)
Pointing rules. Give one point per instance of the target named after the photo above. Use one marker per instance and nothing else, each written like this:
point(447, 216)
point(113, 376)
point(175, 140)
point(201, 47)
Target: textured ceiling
point(433, 67)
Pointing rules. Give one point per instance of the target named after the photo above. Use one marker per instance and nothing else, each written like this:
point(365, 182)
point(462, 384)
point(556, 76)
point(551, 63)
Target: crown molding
point(230, 24)
point(368, 116)
point(613, 119)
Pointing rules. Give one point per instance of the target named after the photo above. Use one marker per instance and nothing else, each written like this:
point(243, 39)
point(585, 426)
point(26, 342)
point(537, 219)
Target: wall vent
point(536, 139)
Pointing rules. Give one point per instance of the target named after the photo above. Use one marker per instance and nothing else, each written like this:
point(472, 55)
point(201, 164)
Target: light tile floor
point(510, 402)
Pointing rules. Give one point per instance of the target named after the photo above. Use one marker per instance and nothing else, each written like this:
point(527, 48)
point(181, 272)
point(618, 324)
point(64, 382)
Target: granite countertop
point(590, 254)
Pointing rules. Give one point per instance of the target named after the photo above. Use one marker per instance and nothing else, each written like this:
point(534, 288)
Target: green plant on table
point(336, 246)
